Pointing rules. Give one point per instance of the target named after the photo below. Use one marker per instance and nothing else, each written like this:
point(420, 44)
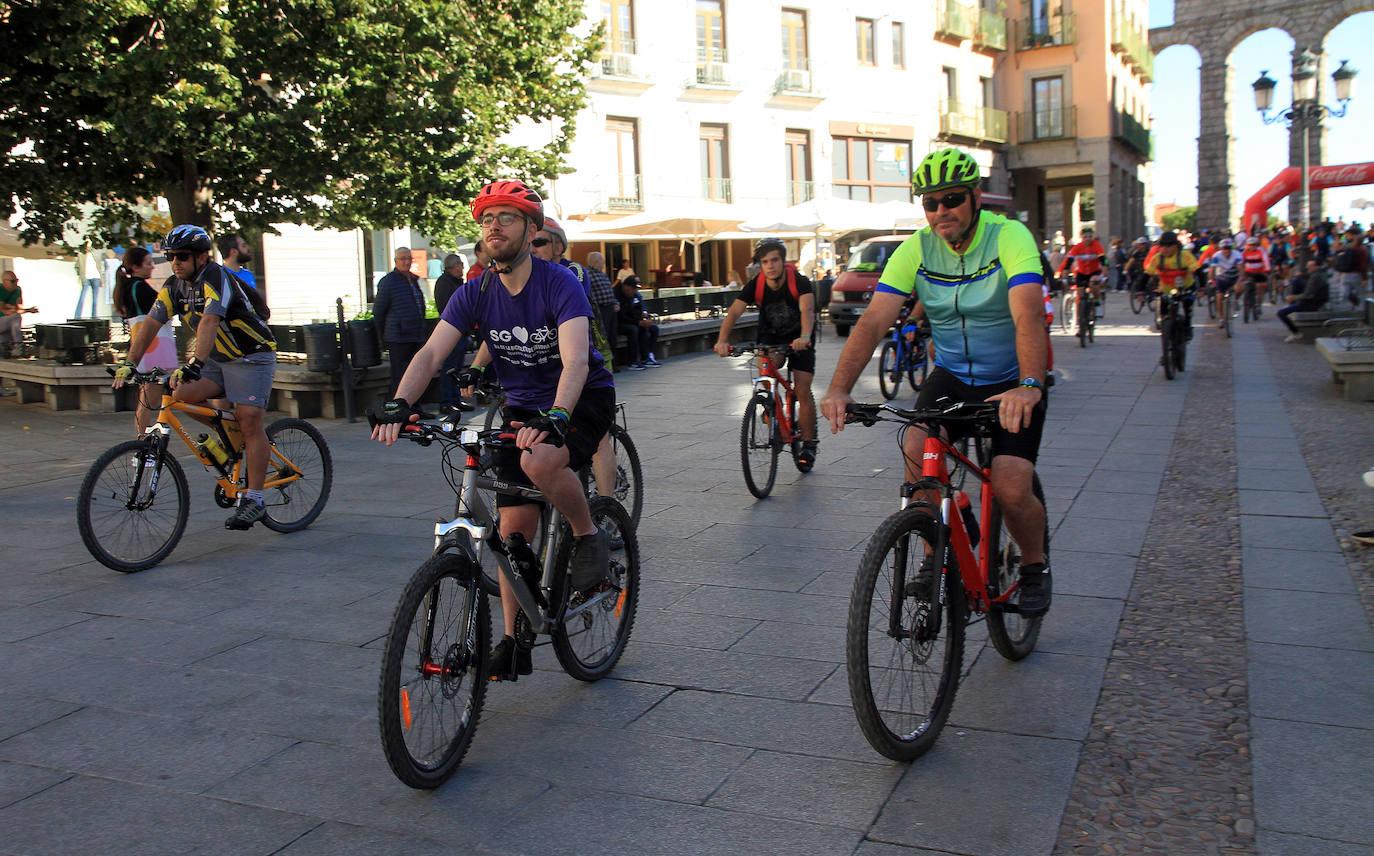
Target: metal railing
point(800, 191)
point(1133, 133)
point(992, 31)
point(1043, 125)
point(1136, 46)
point(716, 189)
point(1046, 32)
point(711, 67)
point(618, 59)
point(955, 18)
point(987, 124)
point(627, 195)
point(795, 76)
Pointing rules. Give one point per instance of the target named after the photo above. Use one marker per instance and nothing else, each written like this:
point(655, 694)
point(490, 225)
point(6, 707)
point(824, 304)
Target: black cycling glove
point(188, 372)
point(553, 422)
point(396, 411)
point(472, 376)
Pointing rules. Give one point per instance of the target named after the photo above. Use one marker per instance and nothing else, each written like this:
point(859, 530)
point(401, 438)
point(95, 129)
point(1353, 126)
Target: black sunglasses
point(181, 257)
point(949, 200)
point(540, 242)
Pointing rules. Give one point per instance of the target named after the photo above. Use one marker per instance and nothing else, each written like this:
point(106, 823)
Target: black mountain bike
point(1173, 332)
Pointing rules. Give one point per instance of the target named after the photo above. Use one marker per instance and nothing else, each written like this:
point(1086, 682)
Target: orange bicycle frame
point(228, 479)
point(767, 378)
point(973, 570)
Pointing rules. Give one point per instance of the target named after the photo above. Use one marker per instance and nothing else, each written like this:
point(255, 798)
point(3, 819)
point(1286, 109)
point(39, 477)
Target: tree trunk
point(191, 200)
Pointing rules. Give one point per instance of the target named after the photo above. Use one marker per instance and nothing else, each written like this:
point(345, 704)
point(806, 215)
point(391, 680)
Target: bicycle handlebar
point(869, 415)
point(430, 428)
point(154, 376)
point(754, 347)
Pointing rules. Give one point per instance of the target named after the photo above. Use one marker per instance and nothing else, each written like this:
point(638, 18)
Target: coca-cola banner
point(1289, 180)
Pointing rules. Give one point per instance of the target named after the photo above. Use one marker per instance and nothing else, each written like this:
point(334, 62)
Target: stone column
point(1316, 136)
point(1215, 192)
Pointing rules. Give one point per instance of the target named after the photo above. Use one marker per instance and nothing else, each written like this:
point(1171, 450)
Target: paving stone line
point(1338, 445)
point(1166, 765)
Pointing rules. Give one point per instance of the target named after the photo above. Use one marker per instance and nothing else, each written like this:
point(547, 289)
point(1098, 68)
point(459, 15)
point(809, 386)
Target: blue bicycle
point(903, 355)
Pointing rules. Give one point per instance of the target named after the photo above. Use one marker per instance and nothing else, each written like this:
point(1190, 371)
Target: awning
point(11, 246)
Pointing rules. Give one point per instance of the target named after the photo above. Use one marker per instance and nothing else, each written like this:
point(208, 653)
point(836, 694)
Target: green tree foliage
point(345, 113)
point(1184, 219)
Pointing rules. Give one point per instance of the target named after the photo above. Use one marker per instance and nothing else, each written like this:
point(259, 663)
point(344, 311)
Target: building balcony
point(795, 78)
point(1047, 125)
point(983, 124)
point(713, 80)
point(1048, 32)
point(1128, 130)
point(618, 69)
point(716, 190)
point(992, 31)
point(955, 19)
point(626, 195)
point(800, 191)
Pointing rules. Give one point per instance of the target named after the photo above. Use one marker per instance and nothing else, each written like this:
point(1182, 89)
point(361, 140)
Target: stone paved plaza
point(1202, 684)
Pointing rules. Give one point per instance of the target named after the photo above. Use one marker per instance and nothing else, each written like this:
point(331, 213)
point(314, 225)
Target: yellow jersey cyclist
point(234, 355)
point(979, 277)
point(1173, 267)
point(534, 319)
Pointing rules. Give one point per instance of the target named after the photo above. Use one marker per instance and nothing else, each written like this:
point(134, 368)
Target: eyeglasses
point(540, 242)
point(949, 200)
point(505, 218)
point(181, 257)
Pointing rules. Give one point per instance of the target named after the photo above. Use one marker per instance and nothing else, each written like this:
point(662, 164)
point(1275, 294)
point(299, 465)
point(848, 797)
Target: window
point(872, 170)
point(864, 31)
point(1047, 106)
point(622, 147)
point(715, 163)
point(794, 39)
point(988, 91)
point(898, 44)
point(798, 157)
point(620, 25)
point(710, 31)
point(951, 84)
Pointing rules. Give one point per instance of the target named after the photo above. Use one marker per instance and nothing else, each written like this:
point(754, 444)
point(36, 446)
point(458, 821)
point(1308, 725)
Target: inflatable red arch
point(1289, 181)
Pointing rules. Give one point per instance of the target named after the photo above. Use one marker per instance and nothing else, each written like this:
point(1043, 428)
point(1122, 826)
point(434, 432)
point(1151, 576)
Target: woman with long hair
point(133, 299)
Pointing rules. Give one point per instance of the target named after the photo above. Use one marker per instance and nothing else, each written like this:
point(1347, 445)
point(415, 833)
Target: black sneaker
point(508, 661)
point(1035, 589)
point(591, 559)
point(806, 459)
point(922, 587)
point(243, 518)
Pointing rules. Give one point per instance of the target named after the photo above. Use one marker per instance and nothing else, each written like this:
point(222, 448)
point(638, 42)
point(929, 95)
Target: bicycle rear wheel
point(298, 448)
point(1211, 305)
point(1068, 317)
point(589, 643)
point(889, 372)
point(629, 475)
point(758, 452)
point(1012, 634)
point(128, 518)
point(1137, 300)
point(903, 679)
point(1083, 311)
point(433, 680)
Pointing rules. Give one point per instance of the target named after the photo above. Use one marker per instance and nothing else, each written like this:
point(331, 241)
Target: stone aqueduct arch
point(1214, 28)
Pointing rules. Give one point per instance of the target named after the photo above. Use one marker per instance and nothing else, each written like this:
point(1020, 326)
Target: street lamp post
point(1306, 111)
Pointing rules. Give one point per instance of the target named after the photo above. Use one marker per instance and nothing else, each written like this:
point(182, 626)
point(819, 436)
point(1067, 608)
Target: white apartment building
point(747, 107)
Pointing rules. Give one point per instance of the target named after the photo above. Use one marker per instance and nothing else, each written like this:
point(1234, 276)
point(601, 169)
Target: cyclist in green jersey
point(978, 277)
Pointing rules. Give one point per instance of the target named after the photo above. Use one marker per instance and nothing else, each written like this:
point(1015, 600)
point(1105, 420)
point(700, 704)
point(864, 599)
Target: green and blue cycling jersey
point(966, 295)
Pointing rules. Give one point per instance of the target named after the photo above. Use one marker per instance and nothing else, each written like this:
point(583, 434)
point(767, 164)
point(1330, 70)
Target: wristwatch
point(1032, 383)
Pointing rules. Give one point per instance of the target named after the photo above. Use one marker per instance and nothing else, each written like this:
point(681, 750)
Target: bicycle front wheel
point(1012, 634)
point(1211, 306)
point(889, 372)
point(1137, 300)
point(595, 627)
point(132, 506)
point(433, 680)
point(300, 473)
point(917, 368)
point(904, 655)
point(1166, 336)
point(757, 450)
point(1068, 315)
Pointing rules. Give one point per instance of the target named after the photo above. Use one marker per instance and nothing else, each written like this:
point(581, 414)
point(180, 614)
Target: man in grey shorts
point(234, 356)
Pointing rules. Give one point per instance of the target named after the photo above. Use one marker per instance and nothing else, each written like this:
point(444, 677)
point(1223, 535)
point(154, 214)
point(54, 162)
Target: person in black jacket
point(1316, 290)
point(448, 282)
point(399, 312)
point(639, 330)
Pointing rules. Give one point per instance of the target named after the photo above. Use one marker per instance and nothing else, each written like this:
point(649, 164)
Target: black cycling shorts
point(590, 421)
point(802, 361)
point(1023, 444)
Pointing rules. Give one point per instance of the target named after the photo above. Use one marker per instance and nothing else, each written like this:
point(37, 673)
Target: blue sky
point(1260, 150)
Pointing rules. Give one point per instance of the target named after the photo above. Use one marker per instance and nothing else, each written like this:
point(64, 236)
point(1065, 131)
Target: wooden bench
point(80, 387)
point(1351, 358)
point(308, 394)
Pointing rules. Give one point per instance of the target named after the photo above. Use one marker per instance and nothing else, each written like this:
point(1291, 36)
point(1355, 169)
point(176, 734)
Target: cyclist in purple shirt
point(534, 318)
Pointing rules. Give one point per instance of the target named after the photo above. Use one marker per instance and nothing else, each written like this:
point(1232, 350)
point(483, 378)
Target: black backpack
point(1344, 260)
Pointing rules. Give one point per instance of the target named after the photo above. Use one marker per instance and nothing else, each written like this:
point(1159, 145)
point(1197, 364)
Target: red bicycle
point(770, 420)
point(904, 645)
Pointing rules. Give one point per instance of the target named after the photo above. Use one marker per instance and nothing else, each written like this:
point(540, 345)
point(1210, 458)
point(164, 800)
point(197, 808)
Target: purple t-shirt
point(522, 331)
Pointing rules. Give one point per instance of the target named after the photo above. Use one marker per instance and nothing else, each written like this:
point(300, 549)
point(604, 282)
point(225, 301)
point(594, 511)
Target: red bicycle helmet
point(514, 194)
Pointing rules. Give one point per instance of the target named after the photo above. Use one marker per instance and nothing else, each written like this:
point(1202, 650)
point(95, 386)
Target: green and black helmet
point(944, 169)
